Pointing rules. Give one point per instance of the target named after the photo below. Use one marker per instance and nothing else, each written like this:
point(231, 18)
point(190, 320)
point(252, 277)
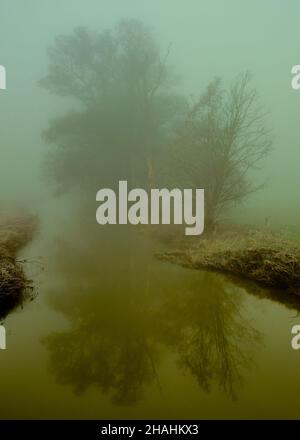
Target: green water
point(116, 333)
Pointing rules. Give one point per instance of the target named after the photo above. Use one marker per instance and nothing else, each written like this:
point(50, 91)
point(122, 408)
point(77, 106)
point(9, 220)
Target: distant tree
point(125, 105)
point(222, 139)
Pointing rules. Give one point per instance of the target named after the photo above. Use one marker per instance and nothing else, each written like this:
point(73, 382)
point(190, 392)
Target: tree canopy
point(127, 107)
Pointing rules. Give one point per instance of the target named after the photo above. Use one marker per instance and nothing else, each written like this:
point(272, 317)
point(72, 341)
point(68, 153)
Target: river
point(115, 333)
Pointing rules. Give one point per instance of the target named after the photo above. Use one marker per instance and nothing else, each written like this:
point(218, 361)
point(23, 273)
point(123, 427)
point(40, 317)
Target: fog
point(108, 100)
point(207, 38)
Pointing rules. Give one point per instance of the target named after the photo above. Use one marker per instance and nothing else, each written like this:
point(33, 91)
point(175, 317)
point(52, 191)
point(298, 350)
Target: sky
point(208, 38)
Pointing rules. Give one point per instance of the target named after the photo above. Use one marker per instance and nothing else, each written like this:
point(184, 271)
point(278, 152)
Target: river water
point(115, 333)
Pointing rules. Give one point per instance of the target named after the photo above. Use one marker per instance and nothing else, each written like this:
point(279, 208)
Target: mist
point(206, 39)
point(108, 313)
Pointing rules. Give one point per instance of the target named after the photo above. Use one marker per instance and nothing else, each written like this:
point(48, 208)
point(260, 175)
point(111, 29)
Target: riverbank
point(15, 232)
point(258, 255)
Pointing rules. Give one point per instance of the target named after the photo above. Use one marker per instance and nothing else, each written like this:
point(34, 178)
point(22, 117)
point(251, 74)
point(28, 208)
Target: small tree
point(222, 139)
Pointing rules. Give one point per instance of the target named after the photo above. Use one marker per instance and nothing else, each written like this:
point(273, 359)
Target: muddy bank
point(15, 233)
point(260, 256)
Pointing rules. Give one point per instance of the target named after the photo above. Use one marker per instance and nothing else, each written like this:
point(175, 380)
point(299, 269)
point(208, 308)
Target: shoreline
point(255, 255)
point(15, 233)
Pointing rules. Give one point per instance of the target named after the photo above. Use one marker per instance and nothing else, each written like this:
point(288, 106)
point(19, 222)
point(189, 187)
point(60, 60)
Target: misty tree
point(124, 105)
point(222, 139)
point(128, 123)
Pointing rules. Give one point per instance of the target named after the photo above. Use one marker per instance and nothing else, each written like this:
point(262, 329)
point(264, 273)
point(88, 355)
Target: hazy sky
point(209, 38)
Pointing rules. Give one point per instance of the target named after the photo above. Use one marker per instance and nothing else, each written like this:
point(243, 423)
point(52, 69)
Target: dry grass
point(15, 232)
point(256, 255)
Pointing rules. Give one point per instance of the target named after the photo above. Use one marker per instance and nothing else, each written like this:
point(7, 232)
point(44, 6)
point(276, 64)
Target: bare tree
point(222, 139)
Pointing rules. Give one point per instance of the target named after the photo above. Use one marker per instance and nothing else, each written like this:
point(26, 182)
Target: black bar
point(118, 429)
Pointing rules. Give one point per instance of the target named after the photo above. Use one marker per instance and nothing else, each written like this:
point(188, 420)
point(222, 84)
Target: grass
point(258, 255)
point(15, 232)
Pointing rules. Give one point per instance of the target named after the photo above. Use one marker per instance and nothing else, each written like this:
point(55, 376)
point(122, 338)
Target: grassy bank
point(260, 256)
point(15, 232)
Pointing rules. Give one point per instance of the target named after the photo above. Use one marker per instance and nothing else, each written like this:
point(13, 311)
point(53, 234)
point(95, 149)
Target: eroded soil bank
point(261, 256)
point(16, 230)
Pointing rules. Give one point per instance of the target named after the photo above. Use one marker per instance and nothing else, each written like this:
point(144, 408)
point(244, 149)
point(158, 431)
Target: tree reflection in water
point(214, 341)
point(125, 317)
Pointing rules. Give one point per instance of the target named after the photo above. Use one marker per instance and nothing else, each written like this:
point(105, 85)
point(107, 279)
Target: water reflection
point(214, 341)
point(127, 312)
